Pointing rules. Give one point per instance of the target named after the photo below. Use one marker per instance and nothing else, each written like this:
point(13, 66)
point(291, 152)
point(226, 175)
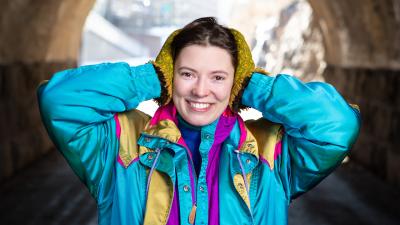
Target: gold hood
point(165, 68)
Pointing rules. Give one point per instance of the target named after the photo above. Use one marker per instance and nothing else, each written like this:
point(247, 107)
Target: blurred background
point(354, 45)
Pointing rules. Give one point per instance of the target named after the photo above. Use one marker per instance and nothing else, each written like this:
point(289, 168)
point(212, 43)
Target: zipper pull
point(192, 214)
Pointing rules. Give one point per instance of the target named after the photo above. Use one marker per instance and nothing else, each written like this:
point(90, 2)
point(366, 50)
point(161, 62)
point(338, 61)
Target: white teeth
point(199, 105)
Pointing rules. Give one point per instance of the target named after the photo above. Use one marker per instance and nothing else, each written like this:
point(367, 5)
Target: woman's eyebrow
point(195, 71)
point(186, 68)
point(220, 71)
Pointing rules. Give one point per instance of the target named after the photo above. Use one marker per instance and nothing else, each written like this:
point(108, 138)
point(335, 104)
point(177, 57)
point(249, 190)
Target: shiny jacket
point(139, 170)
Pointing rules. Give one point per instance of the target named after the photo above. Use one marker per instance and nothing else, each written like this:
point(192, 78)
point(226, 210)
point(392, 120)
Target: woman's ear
point(164, 65)
point(244, 69)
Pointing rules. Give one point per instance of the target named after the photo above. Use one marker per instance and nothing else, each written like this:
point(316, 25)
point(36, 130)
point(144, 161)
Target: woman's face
point(203, 79)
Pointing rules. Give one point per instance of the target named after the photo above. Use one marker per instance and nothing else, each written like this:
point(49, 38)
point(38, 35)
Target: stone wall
point(360, 33)
point(22, 136)
point(377, 92)
point(37, 38)
point(362, 51)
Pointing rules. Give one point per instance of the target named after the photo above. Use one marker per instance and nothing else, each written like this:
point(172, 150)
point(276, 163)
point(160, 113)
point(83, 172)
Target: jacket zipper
point(192, 215)
point(193, 182)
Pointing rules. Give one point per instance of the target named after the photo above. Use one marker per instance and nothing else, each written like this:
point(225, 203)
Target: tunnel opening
point(361, 58)
point(361, 51)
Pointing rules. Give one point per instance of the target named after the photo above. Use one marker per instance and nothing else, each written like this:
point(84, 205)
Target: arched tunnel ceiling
point(37, 31)
point(360, 33)
point(357, 33)
point(362, 50)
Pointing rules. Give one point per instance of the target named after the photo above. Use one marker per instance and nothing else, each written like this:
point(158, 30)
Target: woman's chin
point(199, 120)
point(195, 121)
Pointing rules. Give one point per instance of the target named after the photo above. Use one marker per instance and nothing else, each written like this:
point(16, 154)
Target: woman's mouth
point(199, 106)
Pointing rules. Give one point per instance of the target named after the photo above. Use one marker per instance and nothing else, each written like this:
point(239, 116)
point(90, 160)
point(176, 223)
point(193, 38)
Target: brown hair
point(205, 31)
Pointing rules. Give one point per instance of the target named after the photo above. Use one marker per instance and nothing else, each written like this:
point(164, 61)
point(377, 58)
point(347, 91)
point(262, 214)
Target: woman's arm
point(77, 108)
point(319, 126)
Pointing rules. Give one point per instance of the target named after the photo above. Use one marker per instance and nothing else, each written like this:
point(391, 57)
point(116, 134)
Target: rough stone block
point(46, 144)
point(360, 79)
point(392, 88)
point(367, 118)
point(6, 162)
point(2, 84)
point(362, 150)
point(24, 149)
point(10, 112)
point(379, 160)
point(393, 168)
point(395, 127)
point(396, 95)
point(20, 122)
point(3, 122)
point(381, 120)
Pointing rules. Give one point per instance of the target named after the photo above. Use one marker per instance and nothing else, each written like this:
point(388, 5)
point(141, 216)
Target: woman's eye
point(186, 74)
point(219, 78)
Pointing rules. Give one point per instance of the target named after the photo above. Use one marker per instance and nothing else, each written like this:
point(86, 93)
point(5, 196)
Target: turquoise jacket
point(140, 172)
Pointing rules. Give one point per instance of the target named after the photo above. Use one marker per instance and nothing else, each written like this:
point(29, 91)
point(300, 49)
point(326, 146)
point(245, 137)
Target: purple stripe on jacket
point(174, 216)
point(224, 127)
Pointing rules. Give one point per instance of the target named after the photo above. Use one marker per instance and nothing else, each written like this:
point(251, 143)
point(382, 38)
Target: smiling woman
point(203, 79)
point(196, 152)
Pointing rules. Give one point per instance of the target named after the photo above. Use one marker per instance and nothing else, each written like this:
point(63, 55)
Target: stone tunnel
point(362, 50)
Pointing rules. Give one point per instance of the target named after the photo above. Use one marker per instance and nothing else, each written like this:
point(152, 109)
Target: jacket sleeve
point(319, 127)
point(78, 106)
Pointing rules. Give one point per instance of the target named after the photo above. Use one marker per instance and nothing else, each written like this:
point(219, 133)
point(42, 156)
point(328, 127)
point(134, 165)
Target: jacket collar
point(165, 120)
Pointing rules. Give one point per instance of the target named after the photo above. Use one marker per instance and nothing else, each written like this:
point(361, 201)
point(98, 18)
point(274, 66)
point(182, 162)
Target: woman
point(196, 160)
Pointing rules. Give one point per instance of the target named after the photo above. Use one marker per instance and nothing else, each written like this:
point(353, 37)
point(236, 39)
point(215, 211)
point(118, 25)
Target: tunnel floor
point(49, 193)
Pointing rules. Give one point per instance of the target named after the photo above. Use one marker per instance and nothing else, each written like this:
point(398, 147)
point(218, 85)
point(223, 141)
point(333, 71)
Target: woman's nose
point(201, 88)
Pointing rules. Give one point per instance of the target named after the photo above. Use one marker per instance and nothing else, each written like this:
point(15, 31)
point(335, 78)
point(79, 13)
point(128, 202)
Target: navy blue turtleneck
point(192, 136)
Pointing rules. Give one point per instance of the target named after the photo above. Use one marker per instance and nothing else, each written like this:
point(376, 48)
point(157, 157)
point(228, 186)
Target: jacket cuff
point(258, 90)
point(147, 81)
